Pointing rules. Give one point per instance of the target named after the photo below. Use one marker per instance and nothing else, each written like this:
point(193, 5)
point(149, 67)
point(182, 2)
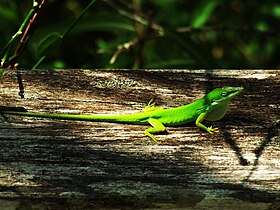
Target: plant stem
point(78, 18)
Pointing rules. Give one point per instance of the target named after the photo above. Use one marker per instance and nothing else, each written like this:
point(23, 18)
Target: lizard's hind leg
point(157, 128)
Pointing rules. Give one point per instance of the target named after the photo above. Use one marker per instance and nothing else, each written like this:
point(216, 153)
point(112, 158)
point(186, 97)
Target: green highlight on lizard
point(212, 107)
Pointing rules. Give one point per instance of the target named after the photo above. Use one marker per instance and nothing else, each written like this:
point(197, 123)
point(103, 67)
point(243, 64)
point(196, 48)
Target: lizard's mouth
point(235, 91)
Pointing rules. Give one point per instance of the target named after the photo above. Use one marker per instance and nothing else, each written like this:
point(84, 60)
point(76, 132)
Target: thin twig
point(26, 34)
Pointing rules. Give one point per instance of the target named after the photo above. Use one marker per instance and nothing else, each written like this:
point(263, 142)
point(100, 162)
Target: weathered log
point(85, 165)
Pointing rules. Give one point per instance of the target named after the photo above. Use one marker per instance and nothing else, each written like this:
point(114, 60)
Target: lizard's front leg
point(198, 121)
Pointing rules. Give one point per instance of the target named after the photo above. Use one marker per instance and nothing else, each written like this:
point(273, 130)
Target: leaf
point(203, 13)
point(49, 43)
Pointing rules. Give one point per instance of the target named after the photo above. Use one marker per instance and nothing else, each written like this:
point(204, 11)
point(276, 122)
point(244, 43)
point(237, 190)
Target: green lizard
point(213, 106)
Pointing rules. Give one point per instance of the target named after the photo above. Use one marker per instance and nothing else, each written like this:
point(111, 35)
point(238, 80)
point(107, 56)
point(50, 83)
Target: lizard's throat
point(217, 112)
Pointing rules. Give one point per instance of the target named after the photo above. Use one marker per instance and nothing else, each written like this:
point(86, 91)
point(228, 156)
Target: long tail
point(128, 118)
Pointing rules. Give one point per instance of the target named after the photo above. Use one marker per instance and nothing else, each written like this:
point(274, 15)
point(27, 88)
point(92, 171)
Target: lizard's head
point(217, 101)
point(223, 94)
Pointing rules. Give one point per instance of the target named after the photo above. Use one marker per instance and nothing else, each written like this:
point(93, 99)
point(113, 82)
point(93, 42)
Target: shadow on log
point(85, 165)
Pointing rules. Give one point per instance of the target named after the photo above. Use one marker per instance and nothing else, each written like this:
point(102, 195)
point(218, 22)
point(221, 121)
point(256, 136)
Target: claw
point(151, 103)
point(212, 130)
point(155, 139)
point(151, 106)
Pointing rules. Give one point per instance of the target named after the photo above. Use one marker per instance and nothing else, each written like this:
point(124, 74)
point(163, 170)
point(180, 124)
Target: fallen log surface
point(86, 165)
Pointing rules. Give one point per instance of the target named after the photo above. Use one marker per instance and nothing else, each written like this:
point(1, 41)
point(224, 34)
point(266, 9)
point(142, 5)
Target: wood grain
point(85, 165)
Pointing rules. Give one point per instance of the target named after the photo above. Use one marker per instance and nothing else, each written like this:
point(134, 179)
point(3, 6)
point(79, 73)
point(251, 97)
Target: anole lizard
point(212, 107)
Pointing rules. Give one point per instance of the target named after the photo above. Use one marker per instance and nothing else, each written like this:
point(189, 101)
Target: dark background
point(142, 34)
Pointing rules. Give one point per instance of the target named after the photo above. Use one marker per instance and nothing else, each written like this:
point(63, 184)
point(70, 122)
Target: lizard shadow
point(228, 139)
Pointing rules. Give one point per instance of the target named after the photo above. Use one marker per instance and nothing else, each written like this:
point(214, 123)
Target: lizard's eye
point(224, 94)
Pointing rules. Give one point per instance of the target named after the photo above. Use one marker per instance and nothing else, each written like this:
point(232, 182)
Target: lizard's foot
point(151, 106)
point(212, 130)
point(155, 139)
point(151, 103)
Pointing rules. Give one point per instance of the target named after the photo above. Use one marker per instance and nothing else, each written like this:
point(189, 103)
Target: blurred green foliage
point(143, 34)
